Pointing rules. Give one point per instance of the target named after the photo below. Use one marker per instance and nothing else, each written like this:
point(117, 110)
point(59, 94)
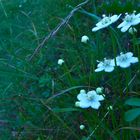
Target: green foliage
point(37, 98)
point(45, 80)
point(133, 102)
point(132, 114)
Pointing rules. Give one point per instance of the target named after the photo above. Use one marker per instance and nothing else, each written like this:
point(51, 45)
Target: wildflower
point(107, 65)
point(99, 90)
point(89, 99)
point(110, 108)
point(60, 61)
point(105, 22)
point(84, 39)
point(132, 30)
point(125, 60)
point(82, 126)
point(129, 20)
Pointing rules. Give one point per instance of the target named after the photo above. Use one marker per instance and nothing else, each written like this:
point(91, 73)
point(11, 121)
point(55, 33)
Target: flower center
point(90, 97)
point(106, 20)
point(123, 58)
point(129, 18)
point(106, 63)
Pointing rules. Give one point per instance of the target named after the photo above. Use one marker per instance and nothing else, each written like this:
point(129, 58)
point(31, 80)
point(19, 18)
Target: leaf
point(137, 41)
point(90, 14)
point(133, 102)
point(132, 114)
point(65, 109)
point(44, 80)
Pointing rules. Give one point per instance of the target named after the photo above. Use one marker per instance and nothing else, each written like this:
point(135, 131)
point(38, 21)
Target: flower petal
point(99, 23)
point(81, 96)
point(92, 92)
point(100, 27)
point(95, 105)
point(100, 64)
point(114, 18)
point(137, 16)
point(98, 97)
point(109, 69)
point(112, 62)
point(96, 29)
point(124, 64)
point(85, 104)
point(122, 24)
point(136, 21)
point(134, 60)
point(99, 69)
point(125, 28)
point(129, 54)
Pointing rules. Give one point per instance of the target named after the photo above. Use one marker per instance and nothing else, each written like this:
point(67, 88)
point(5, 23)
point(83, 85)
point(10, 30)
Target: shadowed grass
point(37, 99)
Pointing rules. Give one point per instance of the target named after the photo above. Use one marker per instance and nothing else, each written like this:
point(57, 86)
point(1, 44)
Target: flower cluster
point(124, 60)
point(90, 99)
point(128, 21)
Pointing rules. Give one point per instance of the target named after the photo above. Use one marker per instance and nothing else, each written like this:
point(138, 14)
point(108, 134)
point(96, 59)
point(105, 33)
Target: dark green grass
point(26, 110)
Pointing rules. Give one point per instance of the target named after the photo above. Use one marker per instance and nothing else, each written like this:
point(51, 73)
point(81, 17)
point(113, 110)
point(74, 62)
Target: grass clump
point(38, 96)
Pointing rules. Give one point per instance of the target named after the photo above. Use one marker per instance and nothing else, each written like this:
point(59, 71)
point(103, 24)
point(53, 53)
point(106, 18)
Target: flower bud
point(132, 30)
point(60, 61)
point(82, 91)
point(77, 104)
point(82, 126)
point(84, 39)
point(110, 108)
point(99, 90)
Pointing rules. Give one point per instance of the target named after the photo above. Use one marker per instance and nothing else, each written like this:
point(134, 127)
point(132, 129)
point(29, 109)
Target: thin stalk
point(69, 77)
point(64, 124)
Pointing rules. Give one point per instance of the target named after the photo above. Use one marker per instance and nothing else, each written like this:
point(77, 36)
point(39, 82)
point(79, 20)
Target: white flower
point(129, 20)
point(89, 99)
point(84, 39)
point(60, 61)
point(82, 126)
point(99, 90)
point(106, 21)
point(125, 60)
point(107, 65)
point(132, 30)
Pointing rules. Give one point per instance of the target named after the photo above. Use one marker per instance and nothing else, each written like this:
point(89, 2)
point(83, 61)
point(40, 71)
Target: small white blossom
point(99, 90)
point(84, 39)
point(132, 30)
point(60, 61)
point(82, 126)
point(125, 60)
point(105, 22)
point(89, 99)
point(107, 65)
point(129, 20)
